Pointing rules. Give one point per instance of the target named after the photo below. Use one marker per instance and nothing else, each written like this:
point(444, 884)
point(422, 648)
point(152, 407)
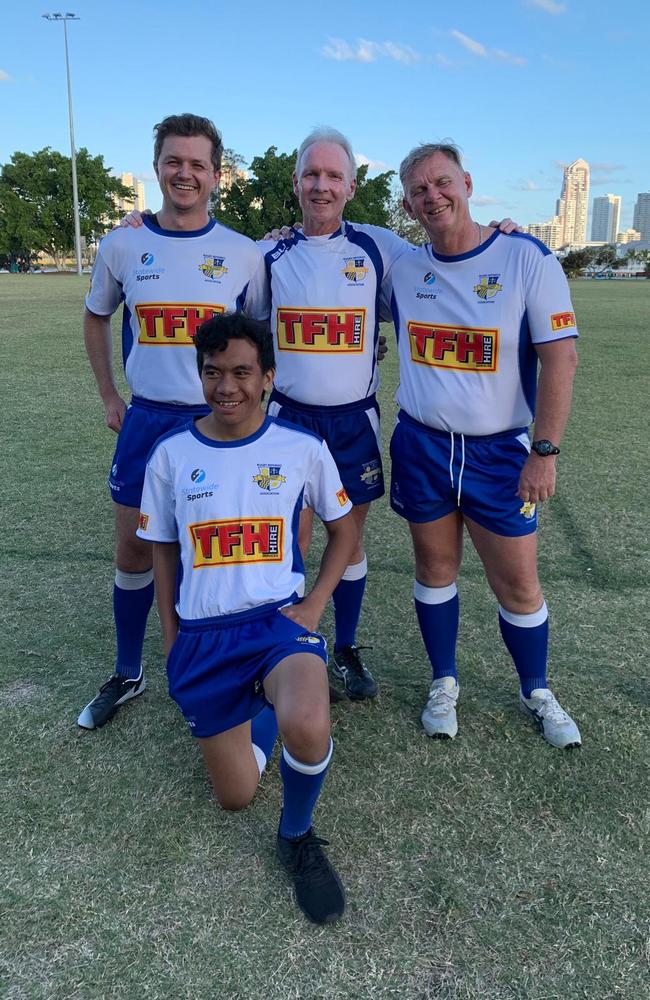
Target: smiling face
point(323, 185)
point(187, 177)
point(233, 383)
point(436, 193)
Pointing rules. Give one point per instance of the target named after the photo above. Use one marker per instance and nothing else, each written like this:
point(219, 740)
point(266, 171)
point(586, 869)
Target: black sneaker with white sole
point(112, 694)
point(350, 668)
point(319, 891)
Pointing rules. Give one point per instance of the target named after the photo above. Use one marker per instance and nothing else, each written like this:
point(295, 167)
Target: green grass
point(493, 867)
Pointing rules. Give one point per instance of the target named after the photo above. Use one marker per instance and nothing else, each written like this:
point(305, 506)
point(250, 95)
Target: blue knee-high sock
point(348, 598)
point(302, 785)
point(132, 600)
point(438, 614)
point(526, 638)
point(264, 732)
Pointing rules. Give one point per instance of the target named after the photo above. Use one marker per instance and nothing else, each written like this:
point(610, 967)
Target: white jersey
point(234, 509)
point(325, 311)
point(171, 282)
point(467, 327)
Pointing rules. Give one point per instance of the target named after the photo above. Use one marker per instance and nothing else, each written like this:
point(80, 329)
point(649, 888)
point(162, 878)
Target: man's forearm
point(99, 348)
point(555, 389)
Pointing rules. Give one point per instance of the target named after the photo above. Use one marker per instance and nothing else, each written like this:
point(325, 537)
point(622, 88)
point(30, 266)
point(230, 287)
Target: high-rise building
point(573, 203)
point(641, 221)
point(605, 218)
point(548, 232)
point(137, 199)
point(628, 236)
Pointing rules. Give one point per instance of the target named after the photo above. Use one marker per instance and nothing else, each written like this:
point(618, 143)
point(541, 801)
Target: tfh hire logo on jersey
point(233, 542)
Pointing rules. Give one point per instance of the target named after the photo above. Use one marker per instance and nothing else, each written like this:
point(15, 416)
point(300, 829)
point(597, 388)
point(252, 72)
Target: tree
point(409, 229)
point(36, 213)
point(640, 258)
point(575, 261)
point(265, 200)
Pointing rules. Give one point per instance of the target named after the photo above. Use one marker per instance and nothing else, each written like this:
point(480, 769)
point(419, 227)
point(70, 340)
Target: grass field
point(493, 867)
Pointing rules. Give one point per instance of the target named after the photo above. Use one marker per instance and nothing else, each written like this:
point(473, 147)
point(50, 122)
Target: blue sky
point(522, 85)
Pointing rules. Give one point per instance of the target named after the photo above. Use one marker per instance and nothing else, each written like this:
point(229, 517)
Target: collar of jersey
point(239, 443)
point(182, 233)
point(464, 256)
point(325, 237)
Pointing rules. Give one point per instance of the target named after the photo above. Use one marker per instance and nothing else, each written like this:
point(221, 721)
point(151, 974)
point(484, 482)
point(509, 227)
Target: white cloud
point(366, 51)
point(469, 43)
point(478, 49)
point(4, 76)
point(508, 57)
point(550, 6)
point(485, 199)
point(364, 161)
point(527, 185)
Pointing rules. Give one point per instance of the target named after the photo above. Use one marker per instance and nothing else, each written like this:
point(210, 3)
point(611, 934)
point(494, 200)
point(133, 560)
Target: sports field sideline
point(491, 867)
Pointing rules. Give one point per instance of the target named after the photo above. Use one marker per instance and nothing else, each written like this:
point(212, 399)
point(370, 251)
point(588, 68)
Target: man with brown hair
point(176, 271)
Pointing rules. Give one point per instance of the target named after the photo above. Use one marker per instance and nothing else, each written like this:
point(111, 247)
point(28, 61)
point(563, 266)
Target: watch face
point(545, 448)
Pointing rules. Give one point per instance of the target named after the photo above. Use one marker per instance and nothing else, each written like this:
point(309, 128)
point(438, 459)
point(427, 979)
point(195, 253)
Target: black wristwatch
point(545, 448)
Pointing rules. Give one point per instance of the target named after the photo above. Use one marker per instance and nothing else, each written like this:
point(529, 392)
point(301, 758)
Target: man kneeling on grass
point(221, 503)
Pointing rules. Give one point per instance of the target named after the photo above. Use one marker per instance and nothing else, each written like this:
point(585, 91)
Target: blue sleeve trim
point(544, 250)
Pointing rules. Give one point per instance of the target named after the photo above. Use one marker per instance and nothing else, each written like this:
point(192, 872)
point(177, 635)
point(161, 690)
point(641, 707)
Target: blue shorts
point(351, 432)
point(217, 665)
point(436, 472)
point(144, 422)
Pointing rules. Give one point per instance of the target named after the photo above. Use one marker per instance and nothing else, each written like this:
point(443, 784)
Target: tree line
point(36, 214)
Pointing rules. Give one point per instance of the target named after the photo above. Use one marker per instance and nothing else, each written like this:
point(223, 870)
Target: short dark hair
point(214, 335)
point(447, 147)
point(187, 125)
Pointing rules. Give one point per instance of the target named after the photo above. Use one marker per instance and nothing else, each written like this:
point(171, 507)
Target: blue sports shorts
point(144, 422)
point(351, 432)
point(217, 666)
point(435, 472)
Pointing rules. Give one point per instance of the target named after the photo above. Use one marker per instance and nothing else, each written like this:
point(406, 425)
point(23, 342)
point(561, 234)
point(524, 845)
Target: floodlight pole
point(73, 155)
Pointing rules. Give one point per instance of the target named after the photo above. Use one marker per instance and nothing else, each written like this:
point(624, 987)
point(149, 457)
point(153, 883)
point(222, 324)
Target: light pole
point(64, 18)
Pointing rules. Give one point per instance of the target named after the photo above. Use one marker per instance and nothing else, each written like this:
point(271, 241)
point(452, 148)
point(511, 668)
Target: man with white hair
point(326, 281)
point(475, 312)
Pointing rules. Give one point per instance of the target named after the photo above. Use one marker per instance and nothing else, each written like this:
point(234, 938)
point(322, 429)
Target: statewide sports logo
point(143, 521)
point(212, 267)
point(321, 331)
point(268, 478)
point(198, 475)
point(429, 278)
point(487, 287)
point(457, 347)
point(172, 323)
point(354, 269)
point(147, 259)
point(527, 510)
point(371, 472)
point(342, 497)
point(244, 540)
point(562, 321)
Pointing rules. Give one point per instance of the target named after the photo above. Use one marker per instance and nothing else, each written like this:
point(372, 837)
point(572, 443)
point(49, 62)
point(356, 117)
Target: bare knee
point(519, 596)
point(233, 800)
point(307, 735)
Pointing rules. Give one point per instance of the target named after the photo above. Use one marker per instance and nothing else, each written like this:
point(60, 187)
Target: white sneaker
point(557, 727)
point(439, 714)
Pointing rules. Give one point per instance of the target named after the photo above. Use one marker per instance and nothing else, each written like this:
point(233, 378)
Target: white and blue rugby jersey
point(325, 311)
point(171, 282)
point(234, 508)
point(466, 329)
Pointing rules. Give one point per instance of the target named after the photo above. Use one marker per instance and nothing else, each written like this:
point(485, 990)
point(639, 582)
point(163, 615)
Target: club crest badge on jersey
point(212, 267)
point(268, 478)
point(354, 269)
point(488, 286)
